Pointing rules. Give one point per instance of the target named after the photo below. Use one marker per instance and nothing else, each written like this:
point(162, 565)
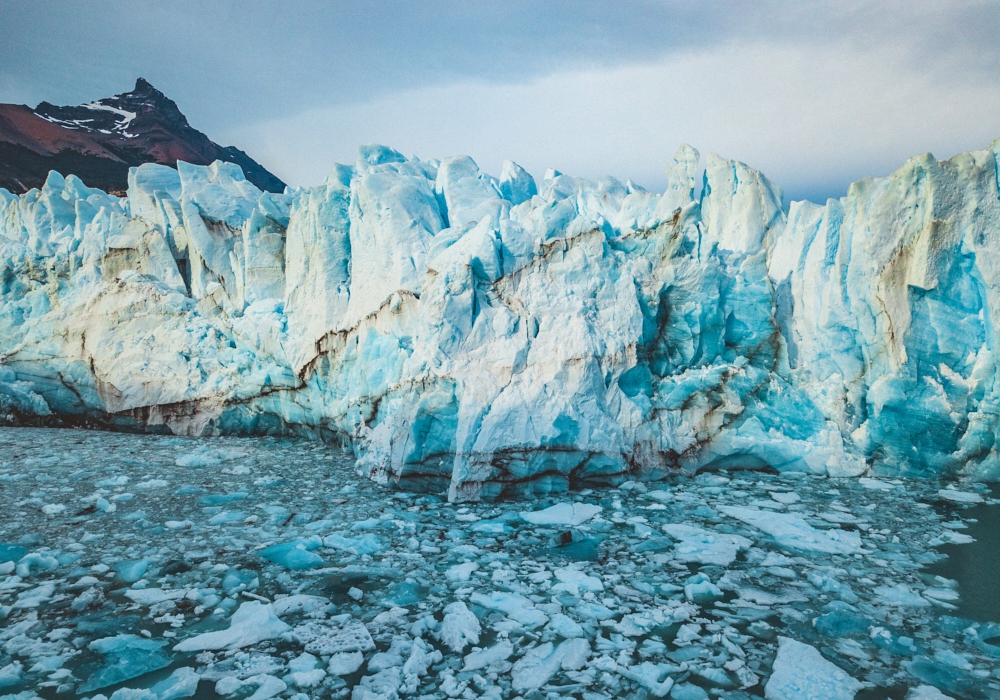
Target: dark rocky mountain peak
point(99, 141)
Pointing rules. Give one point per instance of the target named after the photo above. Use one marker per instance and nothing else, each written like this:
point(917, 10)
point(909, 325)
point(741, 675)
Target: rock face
point(100, 141)
point(494, 337)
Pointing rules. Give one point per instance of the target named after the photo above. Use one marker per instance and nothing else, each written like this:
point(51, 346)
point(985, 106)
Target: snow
point(801, 673)
point(508, 337)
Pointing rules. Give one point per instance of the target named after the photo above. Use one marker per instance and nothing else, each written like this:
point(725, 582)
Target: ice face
point(704, 587)
point(494, 336)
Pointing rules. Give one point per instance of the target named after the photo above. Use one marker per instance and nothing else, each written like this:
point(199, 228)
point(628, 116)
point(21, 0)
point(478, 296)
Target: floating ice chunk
point(152, 484)
point(131, 571)
point(227, 517)
point(901, 595)
point(323, 640)
point(127, 656)
point(383, 685)
point(131, 694)
point(696, 545)
point(345, 663)
point(182, 683)
point(204, 456)
point(53, 509)
point(801, 673)
point(228, 685)
point(267, 686)
point(701, 590)
point(366, 544)
point(926, 692)
point(35, 563)
point(573, 581)
point(460, 627)
point(153, 596)
point(570, 514)
point(786, 497)
point(221, 499)
point(514, 606)
point(293, 555)
point(27, 600)
point(565, 626)
point(688, 691)
point(10, 674)
point(652, 677)
point(828, 584)
point(484, 658)
point(300, 603)
point(875, 484)
point(539, 664)
point(960, 496)
point(252, 623)
point(792, 531)
point(461, 572)
point(305, 672)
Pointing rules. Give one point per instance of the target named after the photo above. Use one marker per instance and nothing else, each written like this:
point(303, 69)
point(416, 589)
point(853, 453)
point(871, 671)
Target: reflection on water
point(976, 566)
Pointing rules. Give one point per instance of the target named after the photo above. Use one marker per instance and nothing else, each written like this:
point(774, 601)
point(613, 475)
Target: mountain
point(496, 336)
point(98, 142)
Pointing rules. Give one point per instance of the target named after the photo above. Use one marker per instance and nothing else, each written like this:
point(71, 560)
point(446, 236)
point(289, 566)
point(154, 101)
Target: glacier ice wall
point(496, 336)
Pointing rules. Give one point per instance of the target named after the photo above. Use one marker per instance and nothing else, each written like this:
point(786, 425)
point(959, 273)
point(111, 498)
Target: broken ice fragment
point(573, 582)
point(182, 683)
point(514, 606)
point(461, 572)
point(696, 545)
point(901, 595)
point(366, 544)
point(484, 658)
point(131, 571)
point(926, 692)
point(792, 531)
point(460, 627)
point(293, 555)
point(126, 656)
point(960, 496)
point(570, 514)
point(539, 664)
point(345, 663)
point(800, 671)
point(252, 623)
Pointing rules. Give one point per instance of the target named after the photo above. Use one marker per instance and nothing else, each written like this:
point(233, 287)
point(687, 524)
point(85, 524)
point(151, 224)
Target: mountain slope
point(101, 140)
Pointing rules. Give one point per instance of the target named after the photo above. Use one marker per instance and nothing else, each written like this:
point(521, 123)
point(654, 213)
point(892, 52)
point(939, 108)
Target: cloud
point(811, 117)
point(815, 92)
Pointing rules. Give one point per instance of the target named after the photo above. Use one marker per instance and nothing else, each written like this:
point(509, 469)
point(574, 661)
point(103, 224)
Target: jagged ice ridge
point(481, 334)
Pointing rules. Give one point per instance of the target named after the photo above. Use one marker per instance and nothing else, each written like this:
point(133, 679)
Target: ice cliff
point(495, 336)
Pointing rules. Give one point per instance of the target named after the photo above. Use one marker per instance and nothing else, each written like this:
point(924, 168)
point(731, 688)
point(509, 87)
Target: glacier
point(498, 337)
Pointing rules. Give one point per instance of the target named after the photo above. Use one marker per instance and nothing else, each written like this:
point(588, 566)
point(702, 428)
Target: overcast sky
point(815, 94)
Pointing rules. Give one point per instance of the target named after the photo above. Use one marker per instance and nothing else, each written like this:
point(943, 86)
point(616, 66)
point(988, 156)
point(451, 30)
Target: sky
point(814, 93)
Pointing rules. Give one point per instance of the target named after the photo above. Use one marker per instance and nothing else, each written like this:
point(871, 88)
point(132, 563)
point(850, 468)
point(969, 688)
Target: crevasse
point(497, 337)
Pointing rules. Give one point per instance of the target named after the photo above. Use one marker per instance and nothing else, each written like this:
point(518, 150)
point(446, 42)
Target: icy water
point(266, 568)
point(976, 565)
